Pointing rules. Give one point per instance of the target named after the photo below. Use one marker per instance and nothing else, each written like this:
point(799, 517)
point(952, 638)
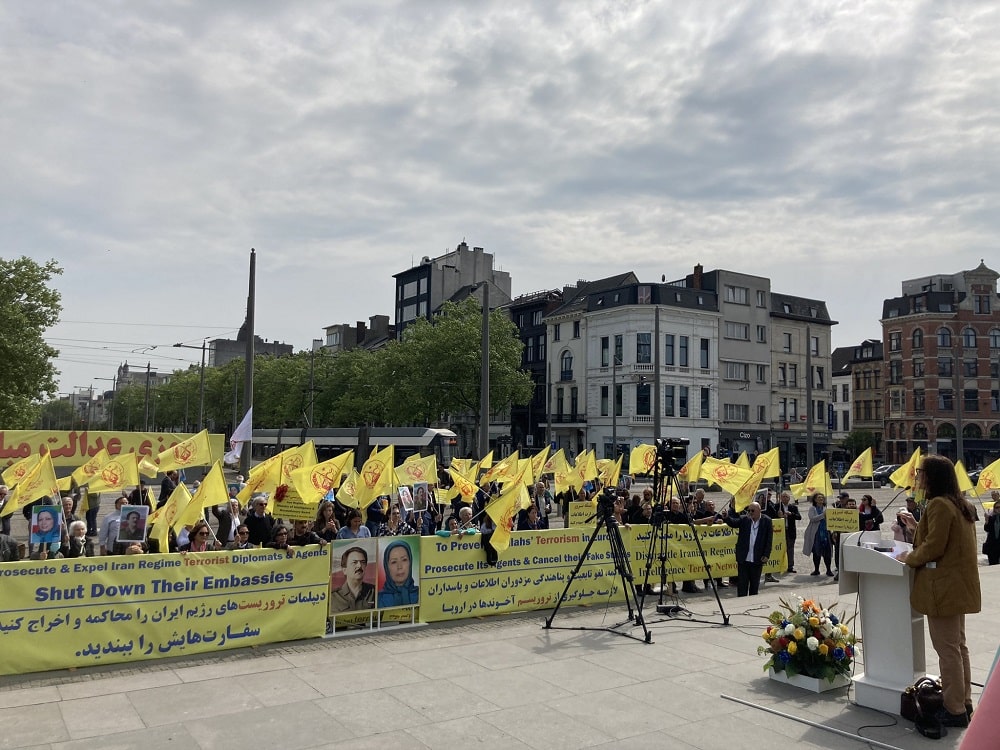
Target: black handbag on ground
point(920, 703)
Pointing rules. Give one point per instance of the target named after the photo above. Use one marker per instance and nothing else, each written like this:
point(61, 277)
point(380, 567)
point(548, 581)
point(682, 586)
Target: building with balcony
point(941, 339)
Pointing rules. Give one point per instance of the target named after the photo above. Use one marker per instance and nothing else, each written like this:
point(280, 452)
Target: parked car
point(883, 472)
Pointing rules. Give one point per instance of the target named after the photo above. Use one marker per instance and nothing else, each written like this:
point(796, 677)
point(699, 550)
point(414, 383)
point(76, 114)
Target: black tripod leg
point(572, 576)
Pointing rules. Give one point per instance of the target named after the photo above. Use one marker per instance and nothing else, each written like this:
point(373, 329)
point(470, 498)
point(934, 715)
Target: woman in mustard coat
point(946, 582)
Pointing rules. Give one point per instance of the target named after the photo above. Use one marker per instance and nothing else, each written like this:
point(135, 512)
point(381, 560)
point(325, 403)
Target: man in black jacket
point(753, 547)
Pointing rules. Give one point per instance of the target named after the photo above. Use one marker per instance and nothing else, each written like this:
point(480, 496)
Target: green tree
point(857, 441)
point(57, 414)
point(28, 306)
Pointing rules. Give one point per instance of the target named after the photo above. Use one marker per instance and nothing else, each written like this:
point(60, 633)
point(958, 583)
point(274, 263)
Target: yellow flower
point(843, 629)
point(824, 649)
point(814, 621)
point(767, 635)
point(792, 648)
point(799, 634)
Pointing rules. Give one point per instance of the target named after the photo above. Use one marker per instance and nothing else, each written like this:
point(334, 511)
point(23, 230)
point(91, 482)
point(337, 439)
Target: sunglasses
point(243, 533)
point(202, 533)
point(281, 534)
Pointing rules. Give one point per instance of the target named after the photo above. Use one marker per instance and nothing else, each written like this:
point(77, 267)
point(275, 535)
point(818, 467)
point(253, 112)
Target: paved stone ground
point(500, 682)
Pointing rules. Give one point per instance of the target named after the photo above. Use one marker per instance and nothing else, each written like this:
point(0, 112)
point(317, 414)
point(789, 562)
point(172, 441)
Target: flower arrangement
point(808, 639)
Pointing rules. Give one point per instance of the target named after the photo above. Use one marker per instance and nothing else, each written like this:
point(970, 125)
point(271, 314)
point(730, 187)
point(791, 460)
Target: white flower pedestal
point(813, 684)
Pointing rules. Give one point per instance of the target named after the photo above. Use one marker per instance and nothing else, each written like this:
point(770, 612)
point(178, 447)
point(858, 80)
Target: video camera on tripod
point(669, 451)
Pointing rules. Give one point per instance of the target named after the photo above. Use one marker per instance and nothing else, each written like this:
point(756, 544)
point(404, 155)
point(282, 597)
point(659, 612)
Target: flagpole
point(248, 365)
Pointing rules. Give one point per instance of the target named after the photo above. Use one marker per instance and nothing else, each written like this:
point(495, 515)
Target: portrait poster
point(132, 527)
point(405, 499)
point(398, 572)
point(353, 576)
point(46, 524)
point(421, 496)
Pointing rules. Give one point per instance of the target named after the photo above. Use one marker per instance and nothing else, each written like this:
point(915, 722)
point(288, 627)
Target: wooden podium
point(892, 633)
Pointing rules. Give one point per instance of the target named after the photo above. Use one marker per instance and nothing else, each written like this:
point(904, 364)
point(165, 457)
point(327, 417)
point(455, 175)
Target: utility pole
point(248, 368)
point(484, 377)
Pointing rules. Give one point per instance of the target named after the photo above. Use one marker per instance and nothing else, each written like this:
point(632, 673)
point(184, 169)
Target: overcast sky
point(835, 147)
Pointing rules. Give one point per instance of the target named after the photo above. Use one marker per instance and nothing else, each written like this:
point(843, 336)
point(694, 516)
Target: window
point(994, 401)
point(619, 343)
point(536, 318)
point(683, 354)
point(559, 402)
point(529, 350)
point(833, 395)
point(574, 402)
point(605, 390)
point(820, 411)
point(761, 414)
point(918, 339)
point(814, 345)
point(970, 367)
point(943, 337)
point(576, 329)
point(642, 400)
point(818, 377)
point(782, 380)
point(761, 334)
point(786, 345)
point(981, 304)
point(919, 401)
point(736, 413)
point(970, 399)
point(668, 349)
point(605, 351)
point(682, 401)
point(668, 401)
point(618, 400)
point(995, 338)
point(845, 393)
point(761, 298)
point(918, 368)
point(847, 421)
point(946, 399)
point(737, 371)
point(555, 332)
point(793, 376)
point(761, 373)
point(896, 400)
point(896, 372)
point(944, 367)
point(644, 295)
point(793, 409)
point(782, 409)
point(736, 294)
point(705, 403)
point(566, 366)
point(969, 338)
point(541, 347)
point(919, 431)
point(895, 341)
point(739, 331)
point(703, 353)
point(643, 348)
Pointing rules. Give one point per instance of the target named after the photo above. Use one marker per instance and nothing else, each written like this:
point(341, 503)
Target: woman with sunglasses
point(199, 538)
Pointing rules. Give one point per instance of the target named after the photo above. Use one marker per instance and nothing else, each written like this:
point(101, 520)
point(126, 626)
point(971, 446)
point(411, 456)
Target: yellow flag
point(195, 451)
point(314, 482)
point(83, 474)
point(347, 494)
point(989, 478)
point(376, 477)
point(906, 475)
point(162, 519)
point(501, 469)
point(486, 462)
point(538, 463)
point(503, 510)
point(964, 483)
point(464, 487)
point(418, 470)
point(642, 459)
point(299, 457)
point(461, 465)
point(211, 491)
point(19, 469)
point(611, 474)
point(728, 476)
point(37, 483)
point(117, 473)
point(817, 480)
point(742, 461)
point(862, 466)
point(765, 465)
point(586, 467)
point(768, 464)
point(264, 477)
point(561, 471)
point(555, 459)
point(691, 471)
point(65, 484)
point(147, 468)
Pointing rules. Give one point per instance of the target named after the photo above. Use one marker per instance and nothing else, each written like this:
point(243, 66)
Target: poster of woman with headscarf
point(398, 566)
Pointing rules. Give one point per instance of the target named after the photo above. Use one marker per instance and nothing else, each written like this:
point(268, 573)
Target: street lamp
point(201, 387)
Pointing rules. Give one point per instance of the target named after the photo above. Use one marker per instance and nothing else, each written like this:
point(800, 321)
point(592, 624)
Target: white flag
point(242, 434)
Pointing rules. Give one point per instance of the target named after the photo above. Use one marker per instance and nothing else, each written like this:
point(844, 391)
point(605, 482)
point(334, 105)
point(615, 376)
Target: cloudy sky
point(836, 147)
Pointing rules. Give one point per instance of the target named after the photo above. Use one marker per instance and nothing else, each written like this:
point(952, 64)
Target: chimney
point(696, 281)
point(362, 330)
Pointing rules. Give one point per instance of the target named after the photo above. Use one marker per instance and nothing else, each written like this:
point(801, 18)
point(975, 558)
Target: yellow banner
point(844, 520)
point(74, 448)
point(293, 508)
point(456, 582)
point(79, 612)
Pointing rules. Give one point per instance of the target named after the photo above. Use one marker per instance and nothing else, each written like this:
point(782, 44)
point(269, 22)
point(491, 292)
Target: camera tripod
point(623, 568)
point(664, 483)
